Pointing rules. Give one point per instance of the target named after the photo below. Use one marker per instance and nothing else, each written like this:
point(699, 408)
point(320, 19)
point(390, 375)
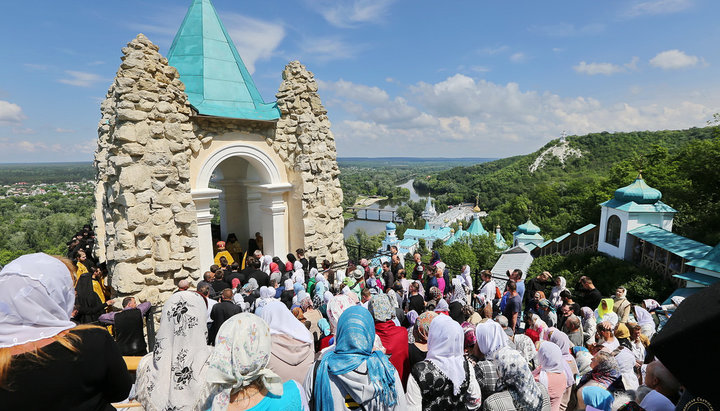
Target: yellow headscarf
point(601, 311)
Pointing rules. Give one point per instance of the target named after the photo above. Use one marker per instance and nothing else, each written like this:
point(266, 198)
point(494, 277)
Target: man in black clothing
point(416, 301)
point(539, 283)
point(220, 312)
point(417, 273)
point(262, 278)
point(395, 264)
point(219, 283)
point(592, 294)
point(567, 299)
point(388, 275)
point(300, 253)
point(233, 273)
point(128, 326)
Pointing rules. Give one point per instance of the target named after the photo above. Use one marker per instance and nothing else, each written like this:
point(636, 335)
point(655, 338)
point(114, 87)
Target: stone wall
point(304, 141)
point(145, 217)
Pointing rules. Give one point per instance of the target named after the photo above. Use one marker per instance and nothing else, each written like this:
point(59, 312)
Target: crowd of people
point(262, 334)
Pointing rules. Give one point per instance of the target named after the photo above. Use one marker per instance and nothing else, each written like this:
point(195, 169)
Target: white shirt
point(487, 292)
point(211, 303)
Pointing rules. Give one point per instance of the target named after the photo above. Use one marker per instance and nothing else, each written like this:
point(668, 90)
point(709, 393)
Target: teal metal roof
point(476, 228)
point(562, 237)
point(545, 243)
point(676, 244)
point(583, 230)
point(528, 228)
point(216, 80)
point(699, 278)
point(633, 207)
point(638, 192)
point(500, 243)
point(710, 261)
point(407, 242)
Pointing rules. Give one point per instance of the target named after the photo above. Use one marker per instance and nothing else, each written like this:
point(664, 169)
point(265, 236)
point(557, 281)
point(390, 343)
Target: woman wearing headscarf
point(275, 274)
point(400, 317)
point(526, 347)
point(621, 305)
point(287, 295)
point(547, 312)
point(458, 300)
point(412, 317)
point(465, 277)
point(583, 358)
point(555, 298)
point(292, 344)
point(442, 307)
point(267, 294)
point(626, 365)
point(393, 337)
point(554, 373)
point(298, 275)
point(335, 307)
point(605, 307)
point(417, 350)
point(250, 293)
point(238, 373)
point(173, 375)
point(605, 373)
point(489, 337)
point(89, 305)
point(280, 264)
point(561, 339)
point(444, 380)
point(589, 325)
point(46, 360)
point(313, 317)
point(265, 264)
point(645, 320)
point(518, 388)
point(353, 375)
point(290, 265)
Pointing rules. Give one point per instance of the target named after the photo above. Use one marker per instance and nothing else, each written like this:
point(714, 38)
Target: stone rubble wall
point(304, 141)
point(145, 217)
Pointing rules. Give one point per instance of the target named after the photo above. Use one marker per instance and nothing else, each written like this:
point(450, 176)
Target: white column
point(274, 221)
point(204, 217)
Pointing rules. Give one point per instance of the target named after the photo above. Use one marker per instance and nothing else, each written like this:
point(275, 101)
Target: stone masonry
point(145, 217)
point(304, 141)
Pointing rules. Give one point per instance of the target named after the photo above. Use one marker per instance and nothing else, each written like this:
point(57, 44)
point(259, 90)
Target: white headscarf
point(465, 276)
point(267, 294)
point(282, 321)
point(458, 293)
point(612, 318)
point(36, 299)
point(555, 299)
point(241, 357)
point(298, 275)
point(550, 359)
point(327, 295)
point(335, 307)
point(490, 337)
point(265, 265)
point(626, 362)
point(173, 375)
point(288, 285)
point(445, 349)
point(643, 317)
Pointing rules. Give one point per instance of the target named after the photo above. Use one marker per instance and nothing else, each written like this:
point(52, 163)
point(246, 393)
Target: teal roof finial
point(216, 80)
point(639, 192)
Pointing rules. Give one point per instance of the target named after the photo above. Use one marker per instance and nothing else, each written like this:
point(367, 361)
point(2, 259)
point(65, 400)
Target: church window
point(612, 235)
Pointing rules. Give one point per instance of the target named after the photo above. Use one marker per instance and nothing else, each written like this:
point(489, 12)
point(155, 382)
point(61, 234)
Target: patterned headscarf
point(469, 331)
point(525, 346)
point(381, 308)
point(422, 326)
point(173, 375)
point(251, 285)
point(607, 369)
point(515, 376)
point(458, 294)
point(241, 357)
point(335, 307)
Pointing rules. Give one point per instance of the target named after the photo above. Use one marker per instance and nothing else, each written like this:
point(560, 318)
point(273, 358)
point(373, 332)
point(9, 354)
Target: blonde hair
point(69, 340)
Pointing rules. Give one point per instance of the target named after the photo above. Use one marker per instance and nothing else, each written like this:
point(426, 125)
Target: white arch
point(256, 157)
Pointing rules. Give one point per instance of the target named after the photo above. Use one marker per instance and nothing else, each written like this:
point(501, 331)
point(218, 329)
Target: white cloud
point(81, 78)
point(10, 113)
point(597, 68)
point(674, 59)
point(63, 130)
point(462, 116)
point(633, 64)
point(326, 49)
point(351, 13)
point(654, 7)
point(518, 57)
point(567, 29)
point(254, 39)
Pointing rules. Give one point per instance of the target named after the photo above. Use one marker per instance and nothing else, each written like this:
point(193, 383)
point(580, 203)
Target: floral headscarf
point(525, 346)
point(515, 376)
point(458, 294)
point(422, 326)
point(469, 331)
point(173, 375)
point(241, 357)
point(381, 308)
point(335, 307)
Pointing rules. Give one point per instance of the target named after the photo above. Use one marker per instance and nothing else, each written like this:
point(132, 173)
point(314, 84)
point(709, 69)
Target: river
point(376, 227)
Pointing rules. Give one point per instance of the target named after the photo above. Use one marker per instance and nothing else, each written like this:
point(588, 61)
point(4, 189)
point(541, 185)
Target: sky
point(464, 78)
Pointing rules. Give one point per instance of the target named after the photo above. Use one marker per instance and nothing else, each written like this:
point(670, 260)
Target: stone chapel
point(179, 131)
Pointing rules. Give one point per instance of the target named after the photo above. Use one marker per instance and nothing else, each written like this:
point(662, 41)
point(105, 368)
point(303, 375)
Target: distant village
point(65, 188)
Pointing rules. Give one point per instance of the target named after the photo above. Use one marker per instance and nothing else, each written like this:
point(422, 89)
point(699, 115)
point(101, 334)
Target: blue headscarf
point(353, 346)
point(297, 288)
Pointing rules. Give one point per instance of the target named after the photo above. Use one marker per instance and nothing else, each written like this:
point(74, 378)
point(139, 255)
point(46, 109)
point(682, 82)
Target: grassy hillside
point(683, 164)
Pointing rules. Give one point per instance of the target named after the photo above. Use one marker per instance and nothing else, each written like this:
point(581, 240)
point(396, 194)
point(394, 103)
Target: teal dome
point(390, 226)
point(528, 228)
point(639, 192)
